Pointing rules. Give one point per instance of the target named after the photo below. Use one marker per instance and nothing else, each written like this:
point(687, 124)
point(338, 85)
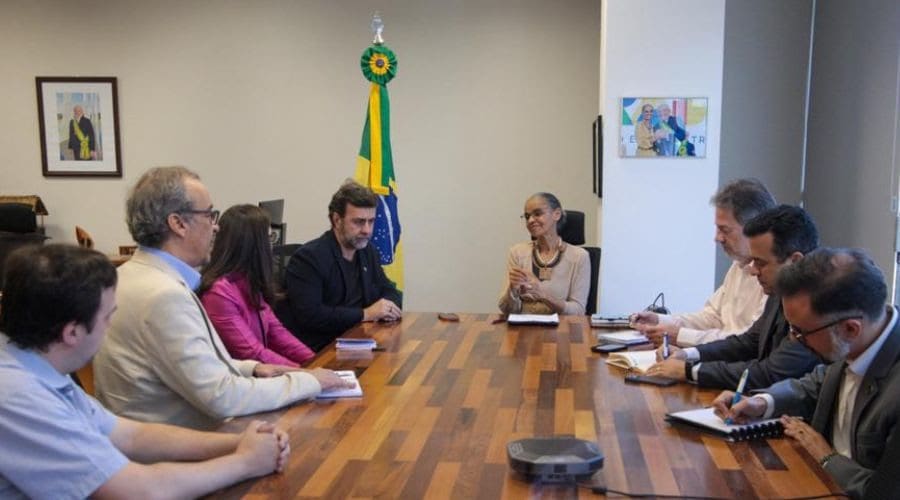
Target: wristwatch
point(827, 458)
point(689, 370)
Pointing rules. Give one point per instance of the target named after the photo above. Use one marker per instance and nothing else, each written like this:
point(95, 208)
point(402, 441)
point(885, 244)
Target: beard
point(840, 349)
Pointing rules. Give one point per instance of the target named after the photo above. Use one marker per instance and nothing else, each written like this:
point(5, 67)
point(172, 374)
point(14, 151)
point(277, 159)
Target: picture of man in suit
point(82, 140)
point(834, 300)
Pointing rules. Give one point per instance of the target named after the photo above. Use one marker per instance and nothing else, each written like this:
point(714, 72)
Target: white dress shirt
point(731, 309)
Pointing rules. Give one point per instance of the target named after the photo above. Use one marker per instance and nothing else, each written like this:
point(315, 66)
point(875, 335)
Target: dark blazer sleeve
point(789, 360)
point(306, 277)
point(384, 288)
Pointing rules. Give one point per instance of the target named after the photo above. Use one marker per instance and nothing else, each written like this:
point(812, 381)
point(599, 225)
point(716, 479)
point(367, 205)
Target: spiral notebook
point(705, 419)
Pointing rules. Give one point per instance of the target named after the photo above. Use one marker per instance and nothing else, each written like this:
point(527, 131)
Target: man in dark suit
point(336, 280)
point(778, 237)
point(82, 141)
point(834, 300)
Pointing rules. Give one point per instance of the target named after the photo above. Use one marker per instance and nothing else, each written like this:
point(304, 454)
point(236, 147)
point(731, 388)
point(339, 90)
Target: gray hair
point(158, 193)
point(744, 198)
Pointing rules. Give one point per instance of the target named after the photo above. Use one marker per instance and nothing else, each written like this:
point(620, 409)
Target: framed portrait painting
point(663, 127)
point(79, 126)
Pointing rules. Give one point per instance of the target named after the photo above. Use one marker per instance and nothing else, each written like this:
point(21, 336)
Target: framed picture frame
point(79, 126)
point(663, 127)
point(597, 146)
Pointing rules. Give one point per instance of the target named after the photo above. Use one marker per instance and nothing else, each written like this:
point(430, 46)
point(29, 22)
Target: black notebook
point(706, 420)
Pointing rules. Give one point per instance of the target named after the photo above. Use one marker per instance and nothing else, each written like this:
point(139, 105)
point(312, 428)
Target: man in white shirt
point(834, 300)
point(740, 300)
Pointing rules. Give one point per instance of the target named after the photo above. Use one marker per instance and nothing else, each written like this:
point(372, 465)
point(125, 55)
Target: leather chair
point(281, 255)
point(18, 228)
point(573, 233)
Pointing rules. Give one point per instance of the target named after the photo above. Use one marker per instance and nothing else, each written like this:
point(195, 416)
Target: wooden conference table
point(441, 402)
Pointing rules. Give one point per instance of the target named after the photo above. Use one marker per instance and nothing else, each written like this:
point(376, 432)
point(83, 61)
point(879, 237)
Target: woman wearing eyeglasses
point(236, 290)
point(545, 275)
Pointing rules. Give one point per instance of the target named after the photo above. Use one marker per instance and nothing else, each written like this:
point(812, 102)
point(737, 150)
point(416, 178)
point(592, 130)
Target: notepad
point(353, 392)
point(705, 420)
point(347, 344)
point(627, 337)
point(533, 319)
point(598, 321)
point(638, 361)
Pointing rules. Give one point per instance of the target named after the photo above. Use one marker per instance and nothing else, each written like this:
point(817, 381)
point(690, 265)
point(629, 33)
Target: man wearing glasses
point(834, 300)
point(162, 361)
point(778, 237)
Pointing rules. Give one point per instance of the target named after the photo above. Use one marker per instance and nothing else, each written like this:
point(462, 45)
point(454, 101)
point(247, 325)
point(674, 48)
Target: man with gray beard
point(834, 300)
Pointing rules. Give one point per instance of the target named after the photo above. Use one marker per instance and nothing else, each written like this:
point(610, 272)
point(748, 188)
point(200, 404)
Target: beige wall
point(493, 100)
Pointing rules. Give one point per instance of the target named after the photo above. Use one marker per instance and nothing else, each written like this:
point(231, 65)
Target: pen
point(665, 352)
point(738, 392)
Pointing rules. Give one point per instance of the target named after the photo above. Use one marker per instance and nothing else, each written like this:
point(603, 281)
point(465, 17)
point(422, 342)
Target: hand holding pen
point(738, 393)
point(665, 346)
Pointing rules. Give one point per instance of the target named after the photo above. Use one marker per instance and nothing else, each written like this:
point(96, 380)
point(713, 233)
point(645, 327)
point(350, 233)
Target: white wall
point(657, 222)
point(493, 101)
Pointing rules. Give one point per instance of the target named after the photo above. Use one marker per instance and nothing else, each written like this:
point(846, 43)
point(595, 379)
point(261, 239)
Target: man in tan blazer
point(162, 360)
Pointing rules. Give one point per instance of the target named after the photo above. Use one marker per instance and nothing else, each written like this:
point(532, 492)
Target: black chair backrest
point(281, 255)
point(594, 255)
point(17, 218)
point(12, 241)
point(573, 230)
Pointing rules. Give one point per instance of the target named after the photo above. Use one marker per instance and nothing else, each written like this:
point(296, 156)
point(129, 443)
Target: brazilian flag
point(375, 163)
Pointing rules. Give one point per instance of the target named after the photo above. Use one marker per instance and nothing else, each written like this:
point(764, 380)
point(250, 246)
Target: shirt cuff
point(770, 404)
point(691, 354)
point(695, 372)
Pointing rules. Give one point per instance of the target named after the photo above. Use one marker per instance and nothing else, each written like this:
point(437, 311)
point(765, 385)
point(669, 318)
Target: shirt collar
point(190, 275)
point(40, 367)
point(860, 365)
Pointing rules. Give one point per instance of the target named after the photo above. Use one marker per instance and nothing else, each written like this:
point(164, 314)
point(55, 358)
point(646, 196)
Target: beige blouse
point(570, 281)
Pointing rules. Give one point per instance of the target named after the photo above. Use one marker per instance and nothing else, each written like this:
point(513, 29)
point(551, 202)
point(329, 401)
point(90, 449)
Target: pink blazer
point(227, 303)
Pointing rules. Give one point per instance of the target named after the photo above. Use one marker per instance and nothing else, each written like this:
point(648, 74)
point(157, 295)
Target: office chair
point(18, 228)
point(572, 233)
point(281, 255)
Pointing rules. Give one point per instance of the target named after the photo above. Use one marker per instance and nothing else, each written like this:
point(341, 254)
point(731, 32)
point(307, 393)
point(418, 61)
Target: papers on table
point(638, 361)
point(705, 419)
point(627, 337)
point(343, 344)
point(354, 392)
point(533, 319)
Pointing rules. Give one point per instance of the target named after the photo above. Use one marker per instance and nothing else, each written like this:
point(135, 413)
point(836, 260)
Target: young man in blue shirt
point(57, 441)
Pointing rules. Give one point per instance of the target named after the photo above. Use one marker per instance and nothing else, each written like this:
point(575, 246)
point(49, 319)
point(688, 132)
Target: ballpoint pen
point(738, 392)
point(665, 346)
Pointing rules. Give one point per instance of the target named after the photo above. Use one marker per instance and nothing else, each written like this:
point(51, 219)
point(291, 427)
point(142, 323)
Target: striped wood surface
point(443, 400)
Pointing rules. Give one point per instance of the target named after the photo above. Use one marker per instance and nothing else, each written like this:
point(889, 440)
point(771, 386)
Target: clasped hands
point(525, 285)
point(382, 310)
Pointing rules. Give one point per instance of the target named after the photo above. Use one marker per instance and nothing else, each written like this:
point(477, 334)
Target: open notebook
point(627, 337)
point(705, 419)
point(638, 361)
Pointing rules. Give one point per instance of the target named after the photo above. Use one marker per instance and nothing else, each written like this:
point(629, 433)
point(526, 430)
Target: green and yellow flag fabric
point(375, 163)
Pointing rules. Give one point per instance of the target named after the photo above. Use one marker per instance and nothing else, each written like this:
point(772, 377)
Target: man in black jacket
point(336, 280)
point(778, 238)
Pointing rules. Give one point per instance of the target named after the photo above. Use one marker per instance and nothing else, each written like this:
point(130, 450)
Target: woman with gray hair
point(546, 275)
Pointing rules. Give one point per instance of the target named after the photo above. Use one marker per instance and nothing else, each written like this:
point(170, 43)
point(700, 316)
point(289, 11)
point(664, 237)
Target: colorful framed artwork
point(663, 127)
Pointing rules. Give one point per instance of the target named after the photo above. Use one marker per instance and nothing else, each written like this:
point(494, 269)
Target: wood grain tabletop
point(443, 399)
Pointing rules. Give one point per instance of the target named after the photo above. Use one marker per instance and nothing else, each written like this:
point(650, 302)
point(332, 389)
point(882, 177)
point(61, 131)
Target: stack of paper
point(353, 392)
point(356, 344)
point(627, 337)
point(598, 321)
point(533, 319)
